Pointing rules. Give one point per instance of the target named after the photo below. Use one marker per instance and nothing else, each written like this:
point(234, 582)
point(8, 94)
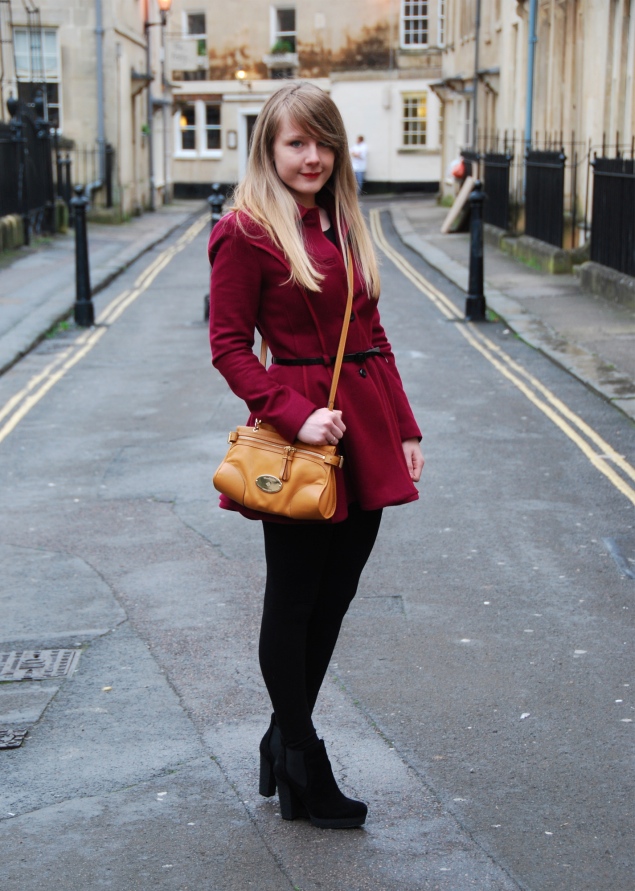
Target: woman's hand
point(414, 458)
point(323, 427)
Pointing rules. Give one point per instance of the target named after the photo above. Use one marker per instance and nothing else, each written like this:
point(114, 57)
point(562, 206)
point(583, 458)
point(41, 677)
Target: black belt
point(321, 360)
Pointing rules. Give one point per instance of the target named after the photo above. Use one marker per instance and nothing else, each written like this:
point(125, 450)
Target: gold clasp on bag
point(268, 483)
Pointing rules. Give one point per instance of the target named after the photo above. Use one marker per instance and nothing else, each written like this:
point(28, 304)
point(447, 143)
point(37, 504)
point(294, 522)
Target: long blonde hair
point(264, 198)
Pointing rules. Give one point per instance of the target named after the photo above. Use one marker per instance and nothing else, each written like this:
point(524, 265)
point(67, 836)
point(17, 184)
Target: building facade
point(98, 65)
point(583, 83)
point(376, 58)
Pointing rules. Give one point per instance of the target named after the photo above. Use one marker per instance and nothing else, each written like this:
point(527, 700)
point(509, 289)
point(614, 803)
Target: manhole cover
point(11, 739)
point(37, 665)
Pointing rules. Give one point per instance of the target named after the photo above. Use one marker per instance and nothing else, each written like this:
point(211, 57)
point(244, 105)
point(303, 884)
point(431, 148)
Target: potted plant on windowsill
point(281, 55)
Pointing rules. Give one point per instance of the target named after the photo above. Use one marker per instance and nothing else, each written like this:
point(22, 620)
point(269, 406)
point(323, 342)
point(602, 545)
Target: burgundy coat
point(250, 289)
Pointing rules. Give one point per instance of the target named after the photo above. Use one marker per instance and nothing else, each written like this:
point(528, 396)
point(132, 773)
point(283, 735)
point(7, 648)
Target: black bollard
point(475, 302)
point(215, 201)
point(84, 309)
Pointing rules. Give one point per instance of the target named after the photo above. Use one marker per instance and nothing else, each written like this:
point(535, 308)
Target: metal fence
point(35, 170)
point(497, 166)
point(544, 196)
point(562, 191)
point(27, 183)
point(613, 221)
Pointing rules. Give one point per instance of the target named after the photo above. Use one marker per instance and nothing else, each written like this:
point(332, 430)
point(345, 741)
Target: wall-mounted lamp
point(164, 8)
point(241, 75)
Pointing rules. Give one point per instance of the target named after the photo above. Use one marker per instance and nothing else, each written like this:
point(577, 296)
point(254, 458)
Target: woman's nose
point(312, 156)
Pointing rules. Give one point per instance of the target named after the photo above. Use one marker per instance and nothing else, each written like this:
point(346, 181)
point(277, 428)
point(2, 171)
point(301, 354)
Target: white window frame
point(200, 133)
point(207, 152)
point(50, 75)
point(406, 15)
point(186, 33)
point(405, 117)
point(179, 151)
point(275, 33)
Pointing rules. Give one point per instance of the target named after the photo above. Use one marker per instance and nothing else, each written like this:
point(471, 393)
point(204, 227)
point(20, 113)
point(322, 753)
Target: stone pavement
point(37, 284)
point(592, 338)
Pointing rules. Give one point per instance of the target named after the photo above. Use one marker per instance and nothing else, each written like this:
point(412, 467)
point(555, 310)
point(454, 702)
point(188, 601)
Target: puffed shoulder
point(242, 232)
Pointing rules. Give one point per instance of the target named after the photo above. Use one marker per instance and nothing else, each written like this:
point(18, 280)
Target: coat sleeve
point(235, 293)
point(408, 427)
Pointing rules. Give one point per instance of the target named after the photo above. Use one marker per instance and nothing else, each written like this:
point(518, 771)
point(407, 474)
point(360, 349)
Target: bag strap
point(337, 366)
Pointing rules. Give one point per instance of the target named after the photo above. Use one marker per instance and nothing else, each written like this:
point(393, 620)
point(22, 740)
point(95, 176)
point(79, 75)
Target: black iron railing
point(613, 220)
point(496, 184)
point(544, 196)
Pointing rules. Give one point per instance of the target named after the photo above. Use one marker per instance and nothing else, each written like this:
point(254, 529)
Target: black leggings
point(312, 576)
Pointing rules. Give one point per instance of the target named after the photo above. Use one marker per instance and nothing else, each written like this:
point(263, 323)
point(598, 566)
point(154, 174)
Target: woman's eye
point(296, 143)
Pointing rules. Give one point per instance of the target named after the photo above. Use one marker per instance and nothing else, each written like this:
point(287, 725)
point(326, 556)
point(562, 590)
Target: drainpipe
point(476, 64)
point(101, 134)
point(533, 7)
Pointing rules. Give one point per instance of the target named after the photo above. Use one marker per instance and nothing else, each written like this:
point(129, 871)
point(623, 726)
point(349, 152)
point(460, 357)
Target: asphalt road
point(479, 698)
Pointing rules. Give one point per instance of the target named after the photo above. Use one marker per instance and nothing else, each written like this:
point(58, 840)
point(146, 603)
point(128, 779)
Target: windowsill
point(417, 150)
point(191, 155)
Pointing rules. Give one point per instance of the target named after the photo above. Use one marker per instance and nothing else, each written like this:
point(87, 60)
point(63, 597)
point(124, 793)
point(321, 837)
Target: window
point(37, 68)
point(467, 123)
point(196, 24)
point(414, 23)
point(212, 127)
point(284, 34)
point(415, 110)
point(187, 128)
point(195, 29)
point(441, 23)
point(197, 127)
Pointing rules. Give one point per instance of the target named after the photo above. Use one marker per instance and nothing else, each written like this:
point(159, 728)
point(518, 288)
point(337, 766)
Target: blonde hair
point(264, 198)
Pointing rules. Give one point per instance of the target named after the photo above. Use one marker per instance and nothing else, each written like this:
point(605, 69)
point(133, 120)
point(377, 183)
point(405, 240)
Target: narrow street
point(481, 695)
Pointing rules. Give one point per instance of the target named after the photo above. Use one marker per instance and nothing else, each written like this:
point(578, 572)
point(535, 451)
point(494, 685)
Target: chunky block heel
point(270, 747)
point(267, 785)
point(291, 808)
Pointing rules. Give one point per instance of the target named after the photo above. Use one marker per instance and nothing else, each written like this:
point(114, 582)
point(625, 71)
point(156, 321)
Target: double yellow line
point(601, 455)
point(16, 408)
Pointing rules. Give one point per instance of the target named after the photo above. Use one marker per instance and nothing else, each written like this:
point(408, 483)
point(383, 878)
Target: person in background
point(359, 153)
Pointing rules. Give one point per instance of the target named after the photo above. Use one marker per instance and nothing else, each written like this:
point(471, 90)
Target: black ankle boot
point(307, 787)
point(270, 748)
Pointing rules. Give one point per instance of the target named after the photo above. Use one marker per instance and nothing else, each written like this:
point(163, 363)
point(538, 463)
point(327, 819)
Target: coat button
point(352, 317)
point(363, 372)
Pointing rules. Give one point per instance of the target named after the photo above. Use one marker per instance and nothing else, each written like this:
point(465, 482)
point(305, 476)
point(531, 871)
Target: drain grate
point(12, 739)
point(37, 665)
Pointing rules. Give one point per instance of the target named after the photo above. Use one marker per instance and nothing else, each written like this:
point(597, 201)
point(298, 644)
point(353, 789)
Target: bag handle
point(342, 344)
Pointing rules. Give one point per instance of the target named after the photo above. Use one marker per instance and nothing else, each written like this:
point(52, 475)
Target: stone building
point(583, 88)
point(175, 96)
point(375, 57)
point(90, 59)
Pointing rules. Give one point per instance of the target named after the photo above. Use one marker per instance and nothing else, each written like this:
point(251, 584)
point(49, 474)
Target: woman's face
point(302, 164)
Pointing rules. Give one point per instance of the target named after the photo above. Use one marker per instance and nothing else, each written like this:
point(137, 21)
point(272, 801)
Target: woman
point(279, 266)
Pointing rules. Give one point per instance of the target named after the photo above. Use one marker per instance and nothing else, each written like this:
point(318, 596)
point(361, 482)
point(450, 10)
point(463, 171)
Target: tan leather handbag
point(264, 472)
